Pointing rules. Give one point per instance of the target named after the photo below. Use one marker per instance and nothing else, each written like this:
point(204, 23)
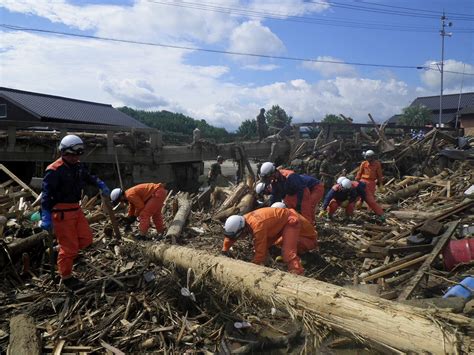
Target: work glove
point(46, 222)
point(381, 189)
point(323, 214)
point(382, 218)
point(105, 191)
point(345, 203)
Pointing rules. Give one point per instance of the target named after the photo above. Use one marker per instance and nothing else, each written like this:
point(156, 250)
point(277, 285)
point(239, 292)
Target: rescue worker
point(312, 169)
point(214, 171)
point(267, 225)
point(262, 127)
point(300, 192)
point(62, 187)
point(145, 201)
point(370, 172)
point(326, 169)
point(345, 194)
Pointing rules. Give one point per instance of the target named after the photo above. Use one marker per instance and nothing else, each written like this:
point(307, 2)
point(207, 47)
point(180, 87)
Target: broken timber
point(392, 324)
point(408, 290)
point(179, 220)
point(24, 339)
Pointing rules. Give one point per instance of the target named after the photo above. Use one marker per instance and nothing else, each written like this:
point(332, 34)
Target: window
point(3, 110)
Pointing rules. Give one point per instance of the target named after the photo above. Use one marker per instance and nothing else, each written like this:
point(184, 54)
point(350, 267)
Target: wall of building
point(15, 113)
point(468, 124)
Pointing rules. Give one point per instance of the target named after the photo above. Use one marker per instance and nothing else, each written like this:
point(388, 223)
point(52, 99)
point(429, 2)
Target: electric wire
point(210, 50)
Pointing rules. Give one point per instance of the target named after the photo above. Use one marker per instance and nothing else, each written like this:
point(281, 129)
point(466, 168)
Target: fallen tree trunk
point(391, 324)
point(24, 339)
point(179, 220)
point(20, 246)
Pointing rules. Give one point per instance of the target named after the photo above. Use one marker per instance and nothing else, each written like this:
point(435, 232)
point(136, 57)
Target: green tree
point(248, 129)
point(331, 118)
point(415, 116)
point(177, 128)
point(277, 118)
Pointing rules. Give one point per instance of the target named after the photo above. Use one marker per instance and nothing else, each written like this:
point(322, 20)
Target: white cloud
point(289, 7)
point(159, 78)
point(261, 67)
point(253, 37)
point(432, 78)
point(331, 69)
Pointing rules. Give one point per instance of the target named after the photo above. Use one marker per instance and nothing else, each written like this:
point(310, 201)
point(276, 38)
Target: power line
point(389, 12)
point(337, 22)
point(210, 50)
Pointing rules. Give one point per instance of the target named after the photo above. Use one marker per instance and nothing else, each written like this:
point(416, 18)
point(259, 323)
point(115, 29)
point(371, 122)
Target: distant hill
point(176, 127)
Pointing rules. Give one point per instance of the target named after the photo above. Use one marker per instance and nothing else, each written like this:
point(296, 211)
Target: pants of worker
point(73, 234)
point(292, 245)
point(334, 205)
point(152, 210)
point(373, 205)
point(309, 207)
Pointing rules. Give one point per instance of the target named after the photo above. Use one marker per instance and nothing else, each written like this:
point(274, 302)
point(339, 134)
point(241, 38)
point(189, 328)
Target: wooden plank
point(413, 283)
point(17, 180)
point(395, 268)
point(110, 212)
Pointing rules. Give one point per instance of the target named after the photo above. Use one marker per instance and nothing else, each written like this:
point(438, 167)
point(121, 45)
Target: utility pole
point(443, 34)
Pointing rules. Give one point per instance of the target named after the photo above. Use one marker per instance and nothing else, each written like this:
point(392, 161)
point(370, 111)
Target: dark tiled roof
point(57, 108)
point(449, 101)
point(445, 118)
point(467, 110)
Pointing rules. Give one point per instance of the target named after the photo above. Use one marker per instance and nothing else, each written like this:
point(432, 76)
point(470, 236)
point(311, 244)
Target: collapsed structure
point(371, 285)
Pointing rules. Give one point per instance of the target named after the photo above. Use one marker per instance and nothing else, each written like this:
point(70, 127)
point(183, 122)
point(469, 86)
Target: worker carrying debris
point(345, 194)
point(63, 183)
point(145, 202)
point(370, 172)
point(214, 171)
point(267, 225)
point(300, 192)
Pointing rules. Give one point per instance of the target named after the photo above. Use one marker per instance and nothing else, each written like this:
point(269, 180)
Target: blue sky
point(226, 89)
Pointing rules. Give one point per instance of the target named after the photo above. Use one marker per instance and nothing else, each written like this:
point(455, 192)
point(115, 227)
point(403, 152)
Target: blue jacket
point(340, 194)
point(63, 183)
point(293, 184)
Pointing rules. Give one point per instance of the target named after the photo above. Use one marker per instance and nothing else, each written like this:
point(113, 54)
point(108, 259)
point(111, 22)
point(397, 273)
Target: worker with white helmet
point(144, 201)
point(278, 205)
point(345, 194)
point(300, 192)
point(267, 225)
point(370, 172)
point(63, 183)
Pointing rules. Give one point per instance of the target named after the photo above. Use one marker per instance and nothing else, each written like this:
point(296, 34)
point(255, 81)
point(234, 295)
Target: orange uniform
point(268, 224)
point(371, 174)
point(146, 201)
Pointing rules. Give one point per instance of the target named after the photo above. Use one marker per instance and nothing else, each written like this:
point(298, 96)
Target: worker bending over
point(146, 202)
point(266, 225)
point(370, 172)
point(300, 192)
point(63, 183)
point(345, 194)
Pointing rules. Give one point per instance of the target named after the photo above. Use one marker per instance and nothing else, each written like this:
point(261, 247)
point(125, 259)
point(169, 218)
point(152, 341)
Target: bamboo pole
point(391, 324)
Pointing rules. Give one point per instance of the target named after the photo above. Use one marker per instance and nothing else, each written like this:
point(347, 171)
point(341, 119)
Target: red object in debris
point(458, 252)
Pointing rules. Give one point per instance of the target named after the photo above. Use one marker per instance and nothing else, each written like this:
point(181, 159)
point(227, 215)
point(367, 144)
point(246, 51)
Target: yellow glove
point(279, 259)
point(381, 189)
point(345, 203)
point(323, 214)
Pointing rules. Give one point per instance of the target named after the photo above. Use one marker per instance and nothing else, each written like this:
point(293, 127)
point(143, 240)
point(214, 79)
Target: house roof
point(57, 108)
point(450, 102)
point(469, 110)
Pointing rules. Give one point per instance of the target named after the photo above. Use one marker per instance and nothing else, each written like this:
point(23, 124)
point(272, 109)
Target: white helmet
point(267, 169)
point(71, 144)
point(260, 188)
point(116, 194)
point(369, 153)
point(278, 205)
point(346, 183)
point(233, 226)
point(340, 179)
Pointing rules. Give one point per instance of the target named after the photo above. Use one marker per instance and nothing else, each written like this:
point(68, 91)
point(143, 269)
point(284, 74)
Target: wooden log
point(395, 268)
point(20, 246)
point(235, 197)
point(179, 220)
point(413, 283)
point(24, 339)
point(18, 181)
point(388, 266)
point(410, 214)
point(389, 323)
point(246, 204)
